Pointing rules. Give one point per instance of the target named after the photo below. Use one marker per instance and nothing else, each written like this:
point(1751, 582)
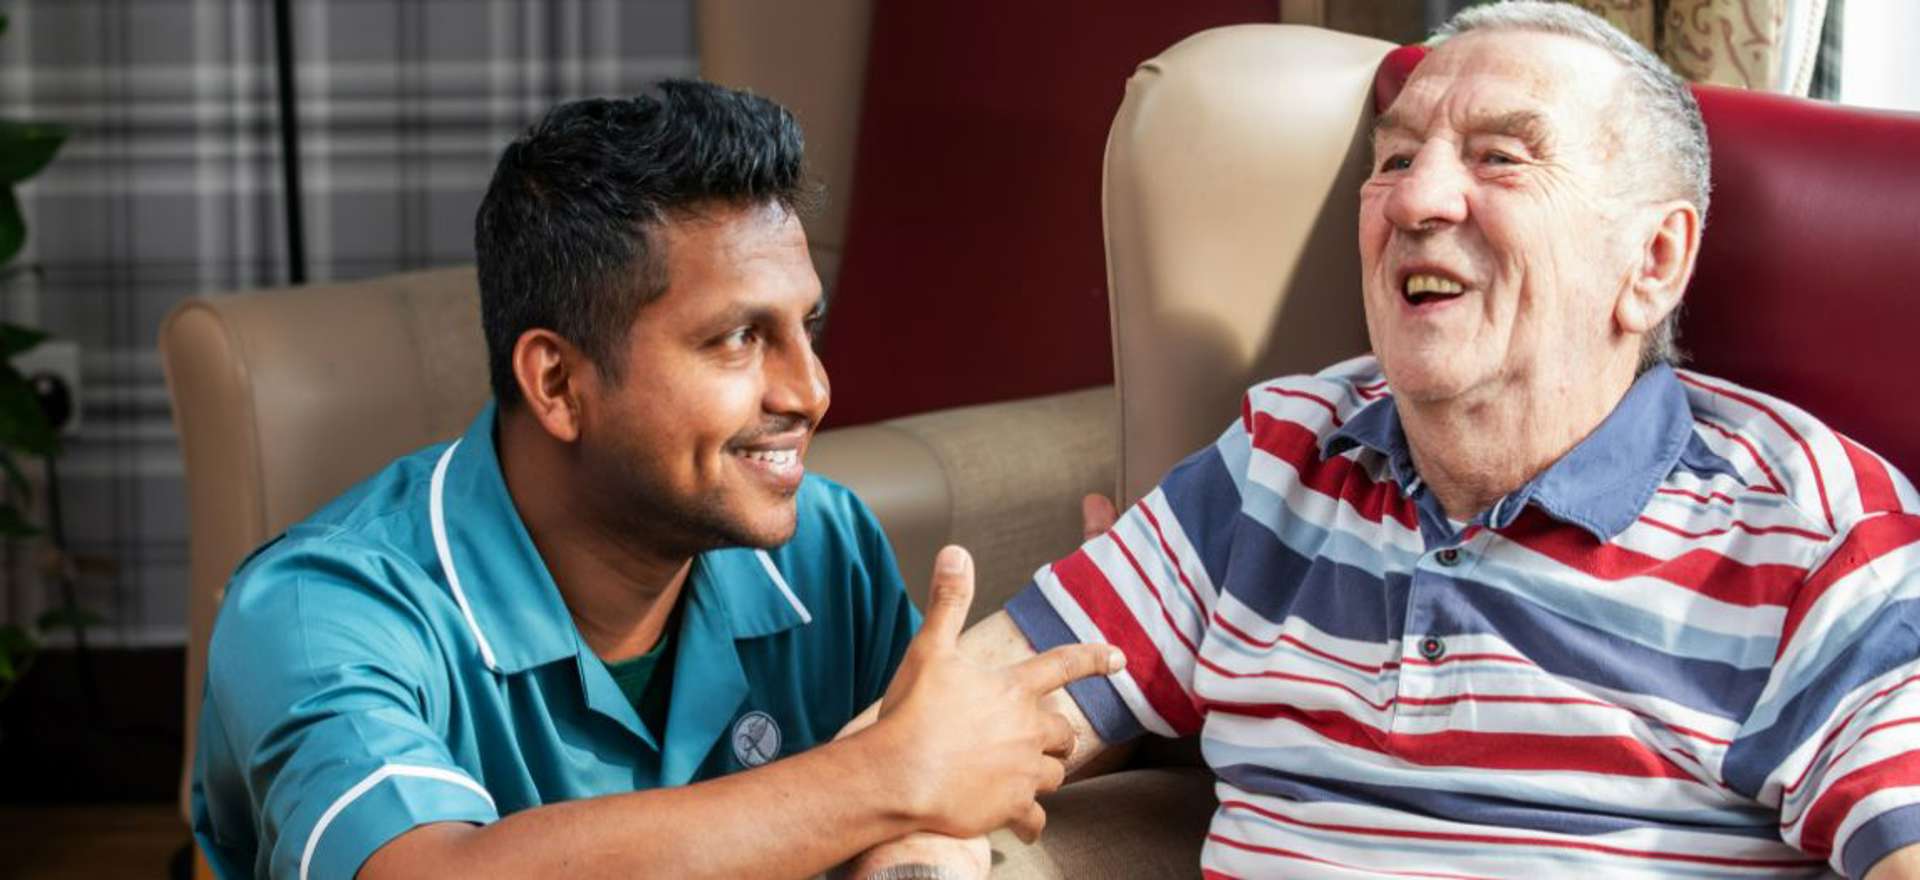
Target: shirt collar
point(508, 597)
point(1601, 485)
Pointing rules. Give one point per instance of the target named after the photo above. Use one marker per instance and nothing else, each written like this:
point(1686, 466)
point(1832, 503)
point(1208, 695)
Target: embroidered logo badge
point(756, 739)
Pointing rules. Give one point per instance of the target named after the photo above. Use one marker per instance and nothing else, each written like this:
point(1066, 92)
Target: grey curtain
point(170, 186)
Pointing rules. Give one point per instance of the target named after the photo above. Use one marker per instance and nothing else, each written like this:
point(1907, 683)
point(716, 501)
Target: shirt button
point(1432, 648)
point(1448, 557)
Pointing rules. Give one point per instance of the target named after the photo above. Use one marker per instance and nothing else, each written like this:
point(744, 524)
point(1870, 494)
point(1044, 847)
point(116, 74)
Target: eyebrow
point(758, 313)
point(1527, 126)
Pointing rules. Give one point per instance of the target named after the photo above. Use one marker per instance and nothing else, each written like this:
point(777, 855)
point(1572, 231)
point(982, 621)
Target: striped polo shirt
point(1687, 648)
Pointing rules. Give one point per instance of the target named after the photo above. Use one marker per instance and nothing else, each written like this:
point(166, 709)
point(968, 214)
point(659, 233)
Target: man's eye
point(741, 338)
point(1498, 158)
point(1396, 163)
point(814, 324)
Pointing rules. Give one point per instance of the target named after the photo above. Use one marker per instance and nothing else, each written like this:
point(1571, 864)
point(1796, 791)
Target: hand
point(1097, 515)
point(973, 745)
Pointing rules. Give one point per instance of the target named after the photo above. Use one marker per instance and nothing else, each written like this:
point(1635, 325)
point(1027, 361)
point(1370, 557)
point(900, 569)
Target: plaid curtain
point(171, 186)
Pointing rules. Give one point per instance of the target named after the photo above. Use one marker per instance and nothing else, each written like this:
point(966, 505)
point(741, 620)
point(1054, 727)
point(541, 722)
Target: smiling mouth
point(781, 466)
point(1422, 288)
point(777, 458)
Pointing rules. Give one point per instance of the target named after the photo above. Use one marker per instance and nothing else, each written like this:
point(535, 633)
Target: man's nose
point(797, 382)
point(1430, 192)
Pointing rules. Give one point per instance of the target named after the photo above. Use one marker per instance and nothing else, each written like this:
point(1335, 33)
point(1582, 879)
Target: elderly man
point(1512, 597)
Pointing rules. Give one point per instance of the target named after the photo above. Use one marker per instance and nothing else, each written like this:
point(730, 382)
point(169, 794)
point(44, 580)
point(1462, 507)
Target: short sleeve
point(1832, 740)
point(892, 620)
point(1147, 587)
point(317, 737)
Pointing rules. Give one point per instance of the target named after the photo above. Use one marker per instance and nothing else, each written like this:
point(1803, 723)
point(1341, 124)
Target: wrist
point(879, 755)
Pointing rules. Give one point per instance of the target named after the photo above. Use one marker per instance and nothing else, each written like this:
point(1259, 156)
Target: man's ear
point(1665, 264)
point(553, 374)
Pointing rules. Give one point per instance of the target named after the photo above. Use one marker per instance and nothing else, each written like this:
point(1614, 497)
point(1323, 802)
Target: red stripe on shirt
point(1217, 837)
point(1826, 814)
point(1870, 477)
point(1171, 557)
point(1708, 498)
point(1337, 477)
point(1702, 571)
point(1819, 482)
point(1090, 589)
point(1510, 699)
point(1302, 395)
point(1736, 524)
point(1748, 445)
point(1505, 840)
point(1837, 729)
point(1871, 539)
point(1248, 639)
point(1608, 755)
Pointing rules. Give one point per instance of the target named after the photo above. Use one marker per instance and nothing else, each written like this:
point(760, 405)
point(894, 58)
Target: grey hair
point(1677, 134)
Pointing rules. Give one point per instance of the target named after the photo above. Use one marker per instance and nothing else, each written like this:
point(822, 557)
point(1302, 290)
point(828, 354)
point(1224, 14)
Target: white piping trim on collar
point(437, 515)
point(385, 772)
point(779, 580)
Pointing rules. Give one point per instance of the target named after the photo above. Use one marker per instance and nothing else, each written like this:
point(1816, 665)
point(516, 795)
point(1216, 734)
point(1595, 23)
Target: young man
point(602, 632)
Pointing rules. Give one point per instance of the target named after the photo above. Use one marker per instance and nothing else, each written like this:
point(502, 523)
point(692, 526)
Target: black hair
point(567, 235)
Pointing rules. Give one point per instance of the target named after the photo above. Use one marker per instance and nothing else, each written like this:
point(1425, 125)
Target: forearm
point(793, 818)
point(997, 641)
point(1901, 864)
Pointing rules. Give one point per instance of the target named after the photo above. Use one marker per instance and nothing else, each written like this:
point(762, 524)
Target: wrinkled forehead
point(1568, 83)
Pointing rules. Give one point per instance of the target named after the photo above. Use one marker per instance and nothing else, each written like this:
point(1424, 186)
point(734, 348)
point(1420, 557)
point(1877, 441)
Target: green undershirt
point(647, 680)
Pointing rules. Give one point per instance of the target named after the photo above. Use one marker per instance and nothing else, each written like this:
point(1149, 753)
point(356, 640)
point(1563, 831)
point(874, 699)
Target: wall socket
point(61, 358)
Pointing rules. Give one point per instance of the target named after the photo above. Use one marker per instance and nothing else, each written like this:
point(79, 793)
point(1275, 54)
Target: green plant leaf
point(15, 478)
point(13, 227)
point(27, 147)
point(22, 425)
point(16, 641)
point(68, 618)
point(15, 525)
point(15, 339)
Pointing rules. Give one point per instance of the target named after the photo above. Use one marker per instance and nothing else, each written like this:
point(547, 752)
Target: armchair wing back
point(284, 399)
point(1231, 178)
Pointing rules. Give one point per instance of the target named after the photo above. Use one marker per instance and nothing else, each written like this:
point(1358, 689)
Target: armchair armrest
point(1002, 479)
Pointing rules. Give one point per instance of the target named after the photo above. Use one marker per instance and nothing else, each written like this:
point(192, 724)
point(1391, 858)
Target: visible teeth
point(1432, 284)
point(780, 457)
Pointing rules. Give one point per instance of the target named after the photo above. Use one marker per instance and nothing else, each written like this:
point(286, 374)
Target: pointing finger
point(1067, 663)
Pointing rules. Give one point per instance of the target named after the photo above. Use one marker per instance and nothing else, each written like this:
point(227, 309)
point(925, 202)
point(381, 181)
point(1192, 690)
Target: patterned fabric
point(1754, 44)
point(1689, 647)
point(170, 186)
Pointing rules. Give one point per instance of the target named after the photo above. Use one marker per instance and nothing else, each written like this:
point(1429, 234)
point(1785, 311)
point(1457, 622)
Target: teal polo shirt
point(404, 657)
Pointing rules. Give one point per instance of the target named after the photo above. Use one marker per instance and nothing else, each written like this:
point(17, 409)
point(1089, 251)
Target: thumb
point(950, 597)
point(1097, 515)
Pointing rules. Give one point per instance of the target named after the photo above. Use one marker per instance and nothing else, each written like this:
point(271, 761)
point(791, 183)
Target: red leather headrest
point(975, 266)
point(1804, 287)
